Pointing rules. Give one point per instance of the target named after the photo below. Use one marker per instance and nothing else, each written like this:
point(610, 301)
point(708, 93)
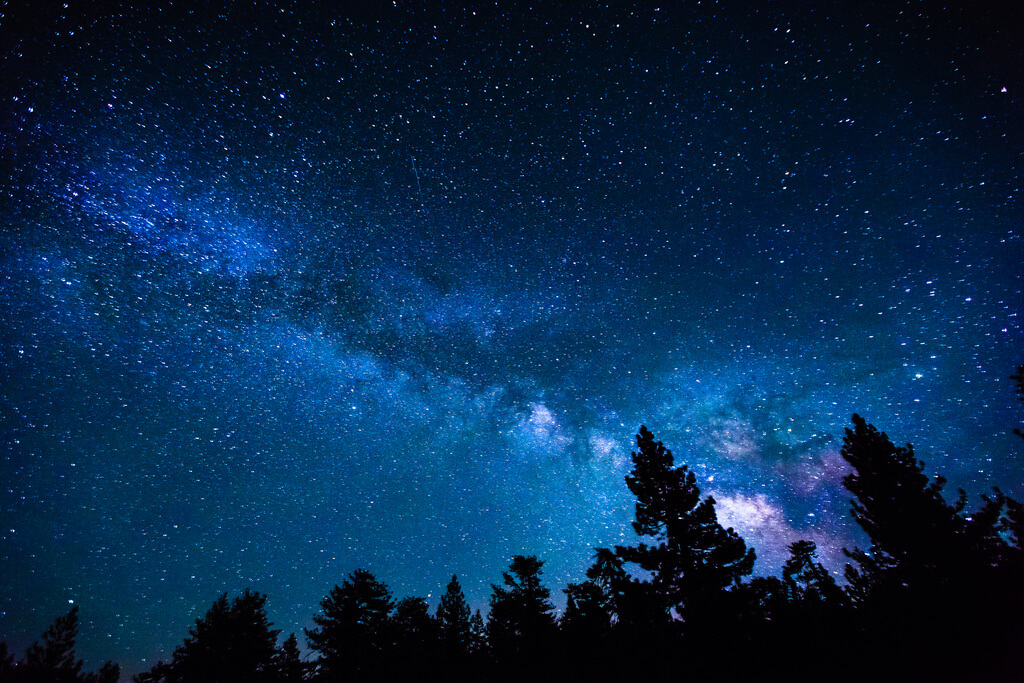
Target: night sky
point(288, 293)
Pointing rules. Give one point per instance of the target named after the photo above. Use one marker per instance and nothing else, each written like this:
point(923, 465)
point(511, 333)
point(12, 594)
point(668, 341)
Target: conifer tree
point(413, 641)
point(915, 534)
point(453, 615)
point(693, 558)
point(350, 632)
point(53, 659)
point(929, 566)
point(586, 614)
point(290, 667)
point(522, 619)
point(631, 604)
point(233, 641)
point(478, 644)
point(806, 580)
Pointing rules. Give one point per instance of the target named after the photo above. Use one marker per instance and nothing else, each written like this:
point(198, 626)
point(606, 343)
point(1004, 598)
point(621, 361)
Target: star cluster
point(286, 293)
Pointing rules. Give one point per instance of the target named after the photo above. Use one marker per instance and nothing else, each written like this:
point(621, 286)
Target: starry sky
point(288, 292)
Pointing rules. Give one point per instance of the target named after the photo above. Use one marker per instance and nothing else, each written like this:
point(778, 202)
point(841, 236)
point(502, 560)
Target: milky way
point(288, 293)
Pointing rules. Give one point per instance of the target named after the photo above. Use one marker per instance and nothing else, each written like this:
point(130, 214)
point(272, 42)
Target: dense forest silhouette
point(936, 595)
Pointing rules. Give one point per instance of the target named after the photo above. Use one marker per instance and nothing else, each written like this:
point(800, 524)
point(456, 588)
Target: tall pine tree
point(692, 557)
point(351, 628)
point(453, 615)
point(522, 620)
point(233, 641)
point(935, 590)
point(916, 536)
point(413, 641)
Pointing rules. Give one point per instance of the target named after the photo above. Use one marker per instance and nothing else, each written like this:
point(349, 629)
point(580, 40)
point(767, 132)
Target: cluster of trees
point(936, 594)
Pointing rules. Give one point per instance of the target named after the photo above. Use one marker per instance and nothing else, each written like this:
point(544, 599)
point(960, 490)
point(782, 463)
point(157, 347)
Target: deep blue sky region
point(287, 292)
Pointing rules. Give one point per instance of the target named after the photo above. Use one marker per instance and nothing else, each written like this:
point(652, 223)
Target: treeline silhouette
point(938, 594)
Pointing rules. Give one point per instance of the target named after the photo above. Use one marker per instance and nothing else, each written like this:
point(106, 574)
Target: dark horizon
point(934, 593)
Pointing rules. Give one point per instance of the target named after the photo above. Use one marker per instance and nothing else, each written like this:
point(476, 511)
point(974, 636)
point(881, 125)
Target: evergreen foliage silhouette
point(807, 582)
point(55, 655)
point(916, 536)
point(290, 667)
point(631, 606)
point(453, 616)
point(586, 630)
point(693, 558)
point(414, 639)
point(478, 643)
point(350, 633)
point(929, 565)
point(586, 617)
point(53, 660)
point(761, 600)
point(936, 595)
point(522, 620)
point(233, 641)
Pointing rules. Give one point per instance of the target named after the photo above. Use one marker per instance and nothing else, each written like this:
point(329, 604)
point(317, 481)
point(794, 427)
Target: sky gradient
point(288, 293)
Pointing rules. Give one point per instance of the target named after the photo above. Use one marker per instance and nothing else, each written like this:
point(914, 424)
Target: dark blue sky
point(287, 293)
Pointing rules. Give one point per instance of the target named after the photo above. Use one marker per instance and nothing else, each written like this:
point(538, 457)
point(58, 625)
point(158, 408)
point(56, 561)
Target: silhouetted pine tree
point(638, 610)
point(233, 641)
point(585, 632)
point(587, 618)
point(522, 624)
point(290, 667)
point(414, 641)
point(479, 647)
point(108, 673)
point(693, 558)
point(913, 530)
point(807, 581)
point(53, 660)
point(453, 615)
point(351, 632)
point(815, 613)
point(934, 590)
